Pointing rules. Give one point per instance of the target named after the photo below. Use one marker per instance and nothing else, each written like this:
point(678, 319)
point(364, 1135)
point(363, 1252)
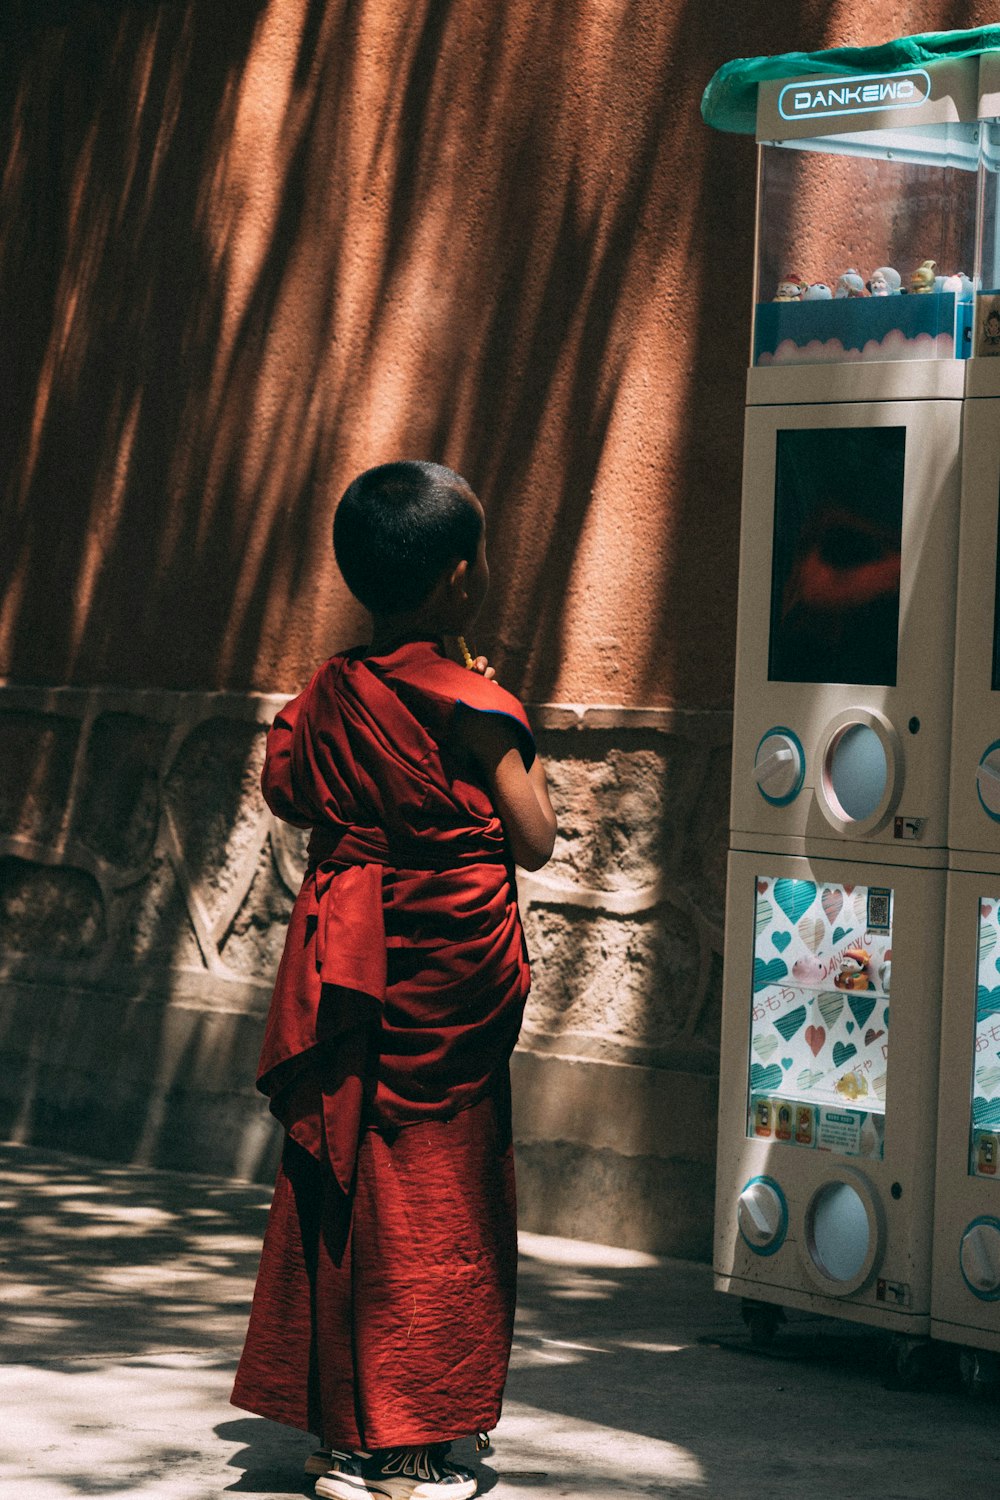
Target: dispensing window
point(838, 528)
point(819, 1031)
point(984, 1132)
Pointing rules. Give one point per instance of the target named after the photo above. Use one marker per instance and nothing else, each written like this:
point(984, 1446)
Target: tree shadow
point(240, 262)
point(629, 1376)
point(249, 250)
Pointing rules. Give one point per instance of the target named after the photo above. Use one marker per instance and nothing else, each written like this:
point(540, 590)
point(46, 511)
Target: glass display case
point(987, 324)
point(867, 244)
point(819, 1030)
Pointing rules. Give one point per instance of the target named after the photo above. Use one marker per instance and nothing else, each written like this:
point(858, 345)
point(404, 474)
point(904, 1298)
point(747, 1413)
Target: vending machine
point(866, 254)
point(966, 1280)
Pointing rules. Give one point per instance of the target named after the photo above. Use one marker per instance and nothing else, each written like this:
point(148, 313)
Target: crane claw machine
point(865, 266)
point(966, 1279)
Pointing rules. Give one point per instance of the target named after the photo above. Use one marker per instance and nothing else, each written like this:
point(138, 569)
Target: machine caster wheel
point(910, 1362)
point(763, 1320)
point(980, 1373)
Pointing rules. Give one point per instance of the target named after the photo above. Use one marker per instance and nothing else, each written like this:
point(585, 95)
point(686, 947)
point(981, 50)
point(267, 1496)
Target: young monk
point(384, 1305)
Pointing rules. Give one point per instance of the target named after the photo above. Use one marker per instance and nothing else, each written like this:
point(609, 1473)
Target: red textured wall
point(248, 250)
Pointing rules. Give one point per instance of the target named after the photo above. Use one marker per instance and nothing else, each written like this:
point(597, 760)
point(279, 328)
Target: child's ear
point(458, 576)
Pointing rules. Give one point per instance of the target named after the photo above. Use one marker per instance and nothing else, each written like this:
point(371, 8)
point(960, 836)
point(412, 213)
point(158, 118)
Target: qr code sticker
point(878, 909)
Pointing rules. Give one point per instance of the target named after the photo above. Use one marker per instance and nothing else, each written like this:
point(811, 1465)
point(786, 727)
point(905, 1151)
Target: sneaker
point(343, 1477)
point(396, 1474)
point(319, 1462)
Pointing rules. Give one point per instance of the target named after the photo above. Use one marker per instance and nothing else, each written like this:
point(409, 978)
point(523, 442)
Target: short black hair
point(398, 527)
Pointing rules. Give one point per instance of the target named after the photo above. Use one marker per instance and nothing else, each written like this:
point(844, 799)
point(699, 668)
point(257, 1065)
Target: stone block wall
point(144, 891)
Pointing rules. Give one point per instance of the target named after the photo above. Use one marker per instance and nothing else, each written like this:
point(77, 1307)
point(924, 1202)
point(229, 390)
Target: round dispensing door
point(762, 1215)
point(779, 766)
point(979, 1258)
point(844, 1233)
point(988, 781)
point(860, 771)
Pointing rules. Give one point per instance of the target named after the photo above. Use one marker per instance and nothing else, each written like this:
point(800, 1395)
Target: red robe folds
point(384, 1303)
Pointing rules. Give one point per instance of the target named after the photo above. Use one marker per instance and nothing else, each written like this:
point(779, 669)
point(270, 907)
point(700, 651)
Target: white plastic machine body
point(828, 731)
point(842, 738)
point(826, 1173)
point(966, 1280)
point(966, 1295)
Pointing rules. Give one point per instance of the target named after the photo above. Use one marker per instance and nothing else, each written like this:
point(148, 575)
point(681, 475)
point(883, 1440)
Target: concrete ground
point(126, 1294)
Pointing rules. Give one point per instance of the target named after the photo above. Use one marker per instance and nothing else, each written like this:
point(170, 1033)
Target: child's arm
point(521, 797)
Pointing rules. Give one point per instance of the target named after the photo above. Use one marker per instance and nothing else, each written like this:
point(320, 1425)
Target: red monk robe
point(384, 1303)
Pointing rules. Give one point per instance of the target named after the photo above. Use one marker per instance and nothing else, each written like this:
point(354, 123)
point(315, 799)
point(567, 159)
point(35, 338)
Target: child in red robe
point(384, 1304)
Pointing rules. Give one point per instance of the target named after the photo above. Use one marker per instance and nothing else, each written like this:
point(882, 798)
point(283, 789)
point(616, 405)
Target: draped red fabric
point(404, 974)
point(385, 1299)
point(385, 1319)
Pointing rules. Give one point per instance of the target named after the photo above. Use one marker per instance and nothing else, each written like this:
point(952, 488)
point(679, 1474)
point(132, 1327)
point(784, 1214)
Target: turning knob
point(779, 766)
point(980, 1257)
point(762, 1215)
point(988, 781)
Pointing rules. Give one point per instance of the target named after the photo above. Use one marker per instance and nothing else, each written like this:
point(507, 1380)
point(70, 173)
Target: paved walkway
point(126, 1294)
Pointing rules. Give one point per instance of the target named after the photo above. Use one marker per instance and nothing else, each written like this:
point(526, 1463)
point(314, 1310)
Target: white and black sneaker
point(395, 1474)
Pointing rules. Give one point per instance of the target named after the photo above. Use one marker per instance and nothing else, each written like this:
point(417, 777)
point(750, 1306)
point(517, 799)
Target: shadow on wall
point(250, 250)
point(245, 252)
point(143, 899)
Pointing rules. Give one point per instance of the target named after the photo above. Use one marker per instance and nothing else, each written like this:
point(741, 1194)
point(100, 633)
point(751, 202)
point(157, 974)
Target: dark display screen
point(838, 529)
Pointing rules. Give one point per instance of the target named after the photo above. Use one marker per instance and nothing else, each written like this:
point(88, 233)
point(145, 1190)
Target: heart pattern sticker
point(806, 1040)
point(861, 1006)
point(831, 1006)
point(815, 1037)
point(987, 1002)
point(812, 931)
point(763, 916)
point(985, 1113)
point(763, 1080)
point(831, 901)
point(986, 1104)
point(765, 974)
point(789, 1024)
point(765, 1046)
point(794, 897)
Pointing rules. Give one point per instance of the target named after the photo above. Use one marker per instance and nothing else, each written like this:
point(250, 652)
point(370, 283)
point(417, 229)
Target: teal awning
point(730, 100)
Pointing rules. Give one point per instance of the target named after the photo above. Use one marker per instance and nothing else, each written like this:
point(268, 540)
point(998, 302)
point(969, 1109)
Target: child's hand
point(474, 663)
